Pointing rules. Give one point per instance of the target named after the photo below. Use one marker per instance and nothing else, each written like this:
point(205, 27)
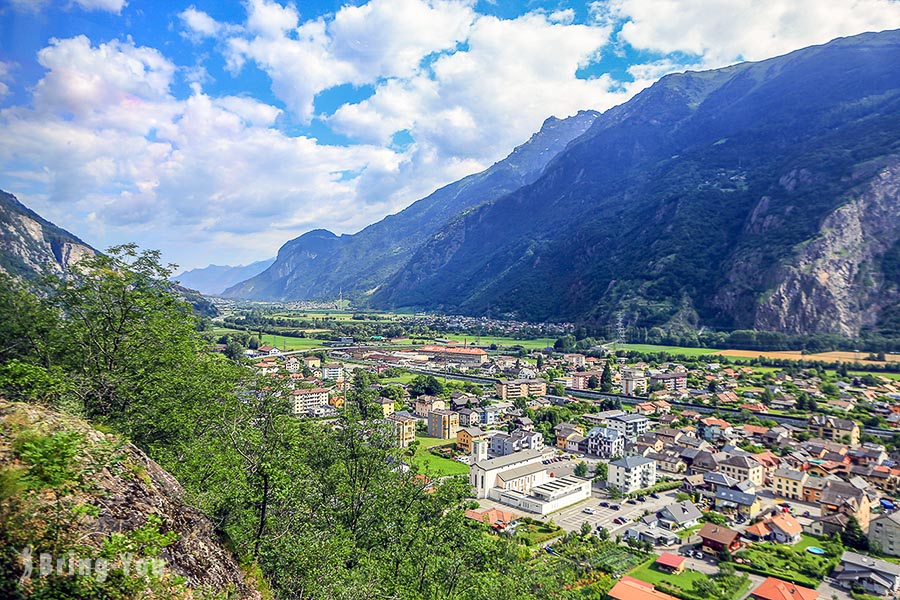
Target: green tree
point(585, 529)
point(593, 382)
point(606, 382)
point(581, 469)
point(853, 535)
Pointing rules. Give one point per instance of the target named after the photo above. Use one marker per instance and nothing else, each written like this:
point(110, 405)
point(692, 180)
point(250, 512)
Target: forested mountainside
point(320, 264)
point(30, 244)
point(762, 195)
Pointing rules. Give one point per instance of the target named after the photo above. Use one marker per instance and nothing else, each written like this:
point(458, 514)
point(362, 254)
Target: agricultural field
point(786, 354)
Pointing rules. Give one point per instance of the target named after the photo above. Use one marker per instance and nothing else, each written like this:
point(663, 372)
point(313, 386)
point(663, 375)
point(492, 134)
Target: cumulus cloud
point(106, 139)
point(726, 31)
point(474, 105)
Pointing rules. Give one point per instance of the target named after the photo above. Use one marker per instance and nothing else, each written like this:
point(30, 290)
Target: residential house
point(671, 563)
point(312, 362)
point(874, 575)
point(425, 404)
point(466, 435)
point(468, 417)
point(785, 528)
point(564, 431)
point(488, 415)
point(632, 473)
point(669, 461)
point(443, 424)
point(813, 486)
point(576, 443)
point(789, 483)
point(404, 429)
point(629, 588)
point(575, 360)
point(743, 503)
point(841, 497)
point(605, 442)
point(495, 518)
point(520, 439)
point(679, 515)
point(713, 428)
point(742, 467)
point(717, 538)
point(268, 351)
point(833, 428)
point(386, 405)
point(776, 589)
point(884, 533)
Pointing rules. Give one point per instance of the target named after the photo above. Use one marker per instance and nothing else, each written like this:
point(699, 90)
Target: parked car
point(588, 510)
point(619, 521)
point(805, 513)
point(654, 496)
point(698, 554)
point(615, 506)
point(604, 504)
point(631, 501)
point(642, 498)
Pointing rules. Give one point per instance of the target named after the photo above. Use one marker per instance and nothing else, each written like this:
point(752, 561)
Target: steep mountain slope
point(29, 244)
point(214, 279)
point(71, 488)
point(724, 197)
point(319, 264)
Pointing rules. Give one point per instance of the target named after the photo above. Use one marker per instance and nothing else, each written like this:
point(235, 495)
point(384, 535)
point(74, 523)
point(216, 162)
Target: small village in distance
point(787, 475)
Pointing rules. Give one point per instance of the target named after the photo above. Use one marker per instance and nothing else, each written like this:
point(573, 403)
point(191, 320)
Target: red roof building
point(776, 589)
point(629, 588)
point(671, 563)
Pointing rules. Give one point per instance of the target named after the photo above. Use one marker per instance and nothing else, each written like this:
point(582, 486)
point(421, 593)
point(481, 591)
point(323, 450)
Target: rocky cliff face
point(120, 490)
point(833, 283)
point(31, 245)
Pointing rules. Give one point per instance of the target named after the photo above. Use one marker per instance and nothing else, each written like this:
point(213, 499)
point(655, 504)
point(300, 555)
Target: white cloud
point(5, 77)
point(725, 31)
point(481, 102)
point(106, 143)
point(565, 16)
point(199, 24)
point(360, 45)
point(115, 6)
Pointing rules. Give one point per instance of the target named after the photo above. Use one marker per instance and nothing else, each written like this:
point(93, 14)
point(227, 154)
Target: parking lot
point(571, 518)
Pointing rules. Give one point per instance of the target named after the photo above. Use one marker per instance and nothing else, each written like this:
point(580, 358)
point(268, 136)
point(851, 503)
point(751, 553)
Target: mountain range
point(762, 195)
point(214, 279)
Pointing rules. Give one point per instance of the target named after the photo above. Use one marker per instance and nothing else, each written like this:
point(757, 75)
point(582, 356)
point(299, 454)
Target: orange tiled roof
point(776, 589)
point(629, 588)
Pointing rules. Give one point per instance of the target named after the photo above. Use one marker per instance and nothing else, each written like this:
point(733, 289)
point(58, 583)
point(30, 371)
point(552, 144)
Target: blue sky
point(216, 131)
